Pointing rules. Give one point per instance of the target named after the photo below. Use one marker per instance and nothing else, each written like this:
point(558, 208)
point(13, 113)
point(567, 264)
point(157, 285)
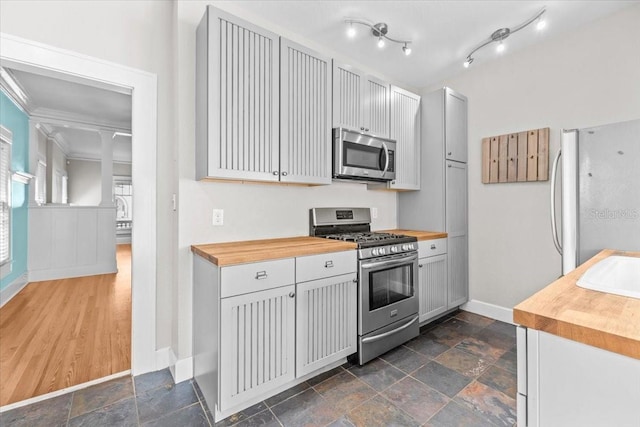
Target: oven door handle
point(391, 262)
point(386, 334)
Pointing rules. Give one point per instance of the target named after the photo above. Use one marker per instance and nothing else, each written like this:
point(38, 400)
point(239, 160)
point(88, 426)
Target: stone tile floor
point(461, 371)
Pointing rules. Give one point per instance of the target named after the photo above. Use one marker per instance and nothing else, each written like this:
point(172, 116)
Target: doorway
point(18, 53)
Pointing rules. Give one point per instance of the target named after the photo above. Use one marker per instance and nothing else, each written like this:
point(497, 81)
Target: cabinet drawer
point(257, 276)
point(432, 247)
point(325, 265)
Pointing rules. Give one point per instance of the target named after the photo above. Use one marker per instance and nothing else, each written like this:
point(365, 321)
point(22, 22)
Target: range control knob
point(374, 252)
point(382, 251)
point(405, 247)
point(394, 249)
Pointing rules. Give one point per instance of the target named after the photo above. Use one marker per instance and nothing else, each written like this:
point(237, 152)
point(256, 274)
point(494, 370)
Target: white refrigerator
point(600, 184)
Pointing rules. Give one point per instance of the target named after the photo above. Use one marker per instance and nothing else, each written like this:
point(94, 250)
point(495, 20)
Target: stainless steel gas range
point(387, 278)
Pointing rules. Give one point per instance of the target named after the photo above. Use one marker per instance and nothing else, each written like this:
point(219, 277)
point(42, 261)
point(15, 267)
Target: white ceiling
point(443, 32)
point(74, 113)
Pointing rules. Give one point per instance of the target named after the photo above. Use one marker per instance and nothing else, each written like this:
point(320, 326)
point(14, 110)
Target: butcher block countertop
point(222, 254)
point(421, 235)
point(599, 319)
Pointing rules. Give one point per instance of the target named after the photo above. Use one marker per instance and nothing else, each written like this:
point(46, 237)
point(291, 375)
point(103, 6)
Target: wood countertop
point(607, 321)
point(231, 253)
point(421, 235)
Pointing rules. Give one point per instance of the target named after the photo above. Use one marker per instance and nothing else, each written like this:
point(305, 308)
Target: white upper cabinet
point(455, 126)
point(405, 129)
point(360, 101)
point(305, 115)
point(237, 99)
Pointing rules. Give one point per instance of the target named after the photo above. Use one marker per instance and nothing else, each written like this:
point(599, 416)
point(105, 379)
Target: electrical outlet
point(374, 212)
point(218, 217)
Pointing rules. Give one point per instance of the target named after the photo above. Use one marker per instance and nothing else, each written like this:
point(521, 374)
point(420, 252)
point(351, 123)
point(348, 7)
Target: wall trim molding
point(163, 358)
point(13, 288)
point(69, 272)
point(181, 369)
point(39, 58)
point(486, 309)
point(63, 391)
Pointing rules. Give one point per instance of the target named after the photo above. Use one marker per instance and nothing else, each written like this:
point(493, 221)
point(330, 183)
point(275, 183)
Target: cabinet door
point(243, 99)
point(455, 135)
point(405, 129)
point(456, 227)
point(433, 286)
point(326, 328)
point(348, 97)
point(376, 107)
point(305, 115)
point(256, 344)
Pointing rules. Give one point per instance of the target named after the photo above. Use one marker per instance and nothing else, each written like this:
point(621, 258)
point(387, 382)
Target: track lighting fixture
point(501, 34)
point(378, 31)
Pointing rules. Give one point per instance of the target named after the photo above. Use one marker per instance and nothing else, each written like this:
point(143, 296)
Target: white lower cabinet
point(260, 327)
point(562, 382)
point(325, 321)
point(432, 278)
point(256, 343)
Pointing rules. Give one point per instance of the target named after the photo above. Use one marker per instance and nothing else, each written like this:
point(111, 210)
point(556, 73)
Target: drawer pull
point(433, 246)
point(292, 294)
point(328, 264)
point(420, 265)
point(261, 275)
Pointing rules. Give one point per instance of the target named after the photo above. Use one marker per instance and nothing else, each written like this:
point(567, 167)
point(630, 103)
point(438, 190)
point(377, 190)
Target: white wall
point(251, 211)
point(586, 78)
point(138, 34)
point(85, 180)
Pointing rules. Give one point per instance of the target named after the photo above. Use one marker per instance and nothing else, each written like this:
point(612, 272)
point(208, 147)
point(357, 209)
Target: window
point(5, 196)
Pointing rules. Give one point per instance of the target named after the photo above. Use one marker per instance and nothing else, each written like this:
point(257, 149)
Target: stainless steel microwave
point(362, 157)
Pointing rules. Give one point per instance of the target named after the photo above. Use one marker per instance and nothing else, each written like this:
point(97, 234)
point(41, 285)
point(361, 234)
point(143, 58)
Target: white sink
point(618, 275)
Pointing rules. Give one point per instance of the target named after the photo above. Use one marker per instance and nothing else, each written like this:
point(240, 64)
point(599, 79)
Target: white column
point(33, 160)
point(106, 168)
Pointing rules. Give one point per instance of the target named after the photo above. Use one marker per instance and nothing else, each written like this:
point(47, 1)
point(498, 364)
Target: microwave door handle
point(386, 156)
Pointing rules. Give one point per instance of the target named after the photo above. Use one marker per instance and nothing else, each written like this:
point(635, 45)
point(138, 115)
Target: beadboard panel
point(325, 322)
point(243, 94)
point(377, 107)
point(405, 129)
point(258, 338)
point(433, 286)
point(305, 115)
point(347, 97)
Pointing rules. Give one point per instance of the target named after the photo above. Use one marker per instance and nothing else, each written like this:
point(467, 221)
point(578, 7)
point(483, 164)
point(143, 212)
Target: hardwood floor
point(59, 333)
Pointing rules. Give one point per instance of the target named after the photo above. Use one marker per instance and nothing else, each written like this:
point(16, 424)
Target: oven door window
point(362, 156)
point(389, 286)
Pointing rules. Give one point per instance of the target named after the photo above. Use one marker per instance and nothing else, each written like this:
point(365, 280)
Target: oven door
point(387, 290)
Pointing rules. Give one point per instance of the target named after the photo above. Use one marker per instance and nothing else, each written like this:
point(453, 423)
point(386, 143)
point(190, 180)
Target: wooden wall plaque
point(516, 157)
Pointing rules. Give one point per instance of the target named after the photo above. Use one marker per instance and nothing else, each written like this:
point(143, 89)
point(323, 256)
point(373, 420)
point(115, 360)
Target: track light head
point(406, 49)
point(351, 31)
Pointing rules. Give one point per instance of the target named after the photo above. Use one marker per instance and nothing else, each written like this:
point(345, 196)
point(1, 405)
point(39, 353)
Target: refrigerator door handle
point(554, 224)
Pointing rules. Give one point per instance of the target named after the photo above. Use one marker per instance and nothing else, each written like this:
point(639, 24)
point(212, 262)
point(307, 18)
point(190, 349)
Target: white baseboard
point(181, 369)
point(163, 358)
point(63, 391)
point(63, 273)
point(14, 287)
point(486, 309)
